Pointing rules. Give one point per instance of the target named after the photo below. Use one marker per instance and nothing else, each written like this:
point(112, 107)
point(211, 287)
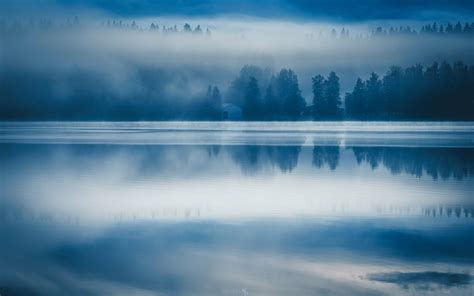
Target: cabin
point(231, 112)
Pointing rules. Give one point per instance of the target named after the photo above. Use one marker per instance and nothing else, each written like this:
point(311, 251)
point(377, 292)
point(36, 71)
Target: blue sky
point(340, 10)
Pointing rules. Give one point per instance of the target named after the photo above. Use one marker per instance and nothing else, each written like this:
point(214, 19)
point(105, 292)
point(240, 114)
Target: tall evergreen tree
point(430, 99)
point(392, 90)
point(211, 107)
point(318, 96)
point(236, 92)
point(288, 91)
point(187, 28)
point(374, 95)
point(355, 102)
point(252, 105)
point(411, 106)
point(332, 96)
point(270, 102)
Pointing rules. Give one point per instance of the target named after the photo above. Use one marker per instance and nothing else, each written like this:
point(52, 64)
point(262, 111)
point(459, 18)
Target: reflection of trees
point(252, 159)
point(247, 157)
point(326, 155)
point(285, 157)
point(449, 211)
point(213, 150)
point(441, 163)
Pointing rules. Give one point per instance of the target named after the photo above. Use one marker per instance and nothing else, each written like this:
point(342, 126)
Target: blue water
point(236, 208)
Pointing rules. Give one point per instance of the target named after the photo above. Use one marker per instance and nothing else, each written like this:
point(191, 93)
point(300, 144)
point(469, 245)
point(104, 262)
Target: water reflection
point(326, 155)
point(235, 220)
point(206, 258)
point(443, 163)
point(424, 280)
point(231, 181)
point(252, 159)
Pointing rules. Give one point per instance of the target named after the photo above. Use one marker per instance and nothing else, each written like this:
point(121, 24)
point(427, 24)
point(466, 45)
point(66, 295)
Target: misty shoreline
point(120, 71)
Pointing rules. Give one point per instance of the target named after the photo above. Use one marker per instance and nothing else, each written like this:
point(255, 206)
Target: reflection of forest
point(11, 213)
point(151, 161)
point(444, 163)
point(326, 155)
point(254, 158)
point(449, 211)
point(441, 163)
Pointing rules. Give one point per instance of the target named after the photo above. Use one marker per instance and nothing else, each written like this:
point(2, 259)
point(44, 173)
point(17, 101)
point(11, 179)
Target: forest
point(153, 71)
point(438, 92)
point(434, 29)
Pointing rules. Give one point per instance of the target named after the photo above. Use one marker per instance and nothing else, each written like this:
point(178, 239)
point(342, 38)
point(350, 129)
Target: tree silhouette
point(355, 102)
point(439, 92)
point(252, 104)
point(318, 96)
point(236, 91)
point(289, 93)
point(210, 107)
point(326, 97)
point(332, 96)
point(197, 30)
point(374, 94)
point(270, 103)
point(187, 28)
point(392, 88)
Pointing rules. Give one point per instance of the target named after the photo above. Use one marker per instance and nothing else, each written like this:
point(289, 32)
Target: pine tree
point(356, 101)
point(374, 95)
point(318, 99)
point(289, 93)
point(332, 96)
point(187, 28)
point(270, 103)
point(252, 106)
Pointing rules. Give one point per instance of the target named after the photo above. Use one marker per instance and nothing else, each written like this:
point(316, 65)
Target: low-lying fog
point(193, 61)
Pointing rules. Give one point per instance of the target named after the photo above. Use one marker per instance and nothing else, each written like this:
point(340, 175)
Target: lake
point(232, 208)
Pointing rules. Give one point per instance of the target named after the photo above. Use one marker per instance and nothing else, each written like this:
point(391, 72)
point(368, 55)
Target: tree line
point(449, 29)
point(436, 163)
point(433, 29)
point(280, 100)
point(17, 26)
point(457, 28)
point(438, 92)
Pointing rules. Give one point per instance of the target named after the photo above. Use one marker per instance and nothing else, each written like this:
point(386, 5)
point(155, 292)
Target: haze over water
point(104, 208)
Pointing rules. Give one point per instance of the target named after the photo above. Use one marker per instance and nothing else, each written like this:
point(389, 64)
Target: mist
point(236, 147)
point(120, 60)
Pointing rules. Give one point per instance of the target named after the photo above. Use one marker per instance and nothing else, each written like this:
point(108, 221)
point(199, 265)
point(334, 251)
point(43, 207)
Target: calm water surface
point(236, 208)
